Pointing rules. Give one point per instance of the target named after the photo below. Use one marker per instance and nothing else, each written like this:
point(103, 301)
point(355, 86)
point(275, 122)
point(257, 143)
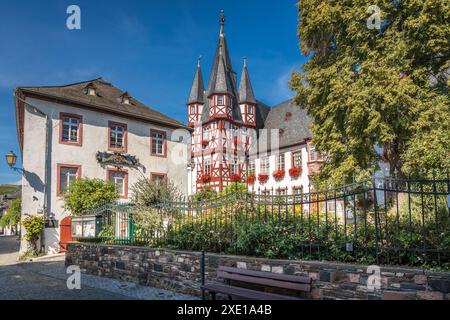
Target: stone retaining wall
point(180, 271)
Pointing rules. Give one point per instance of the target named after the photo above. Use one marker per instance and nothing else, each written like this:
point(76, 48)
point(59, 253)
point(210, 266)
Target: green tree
point(387, 87)
point(13, 214)
point(84, 194)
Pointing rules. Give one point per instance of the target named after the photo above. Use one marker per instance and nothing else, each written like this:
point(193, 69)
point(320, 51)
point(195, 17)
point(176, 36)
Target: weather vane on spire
point(222, 22)
point(222, 17)
point(199, 60)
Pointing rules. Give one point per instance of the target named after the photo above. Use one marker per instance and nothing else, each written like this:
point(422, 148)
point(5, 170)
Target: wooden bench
point(267, 279)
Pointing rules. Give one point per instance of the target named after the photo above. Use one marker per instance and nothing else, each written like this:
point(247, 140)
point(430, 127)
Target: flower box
point(295, 172)
point(236, 177)
point(279, 174)
point(205, 143)
point(263, 177)
point(205, 178)
point(251, 179)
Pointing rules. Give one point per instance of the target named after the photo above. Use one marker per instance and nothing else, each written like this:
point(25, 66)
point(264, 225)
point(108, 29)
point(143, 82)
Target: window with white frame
point(297, 159)
point(250, 110)
point(265, 165)
point(206, 133)
point(331, 207)
point(158, 140)
point(281, 192)
point(67, 175)
point(220, 100)
point(116, 136)
point(251, 167)
point(207, 169)
point(118, 178)
point(312, 153)
point(280, 162)
point(193, 109)
point(234, 167)
point(70, 129)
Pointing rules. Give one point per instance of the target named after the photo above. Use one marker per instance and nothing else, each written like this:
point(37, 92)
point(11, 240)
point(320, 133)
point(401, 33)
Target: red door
point(66, 233)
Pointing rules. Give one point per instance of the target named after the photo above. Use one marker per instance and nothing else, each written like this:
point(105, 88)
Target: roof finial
point(222, 22)
point(245, 62)
point(199, 60)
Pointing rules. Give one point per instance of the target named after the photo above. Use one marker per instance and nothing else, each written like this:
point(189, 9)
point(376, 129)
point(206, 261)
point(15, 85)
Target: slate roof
point(245, 87)
point(292, 121)
point(108, 99)
point(197, 93)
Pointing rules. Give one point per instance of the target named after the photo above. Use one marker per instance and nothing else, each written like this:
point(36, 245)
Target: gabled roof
point(198, 89)
point(107, 99)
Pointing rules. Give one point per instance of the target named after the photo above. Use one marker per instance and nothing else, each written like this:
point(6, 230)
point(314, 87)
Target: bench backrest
point(276, 280)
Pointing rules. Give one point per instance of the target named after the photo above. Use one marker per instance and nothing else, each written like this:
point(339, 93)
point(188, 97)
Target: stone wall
point(180, 271)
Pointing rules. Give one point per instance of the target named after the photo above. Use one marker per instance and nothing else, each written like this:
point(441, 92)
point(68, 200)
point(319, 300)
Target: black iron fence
point(383, 221)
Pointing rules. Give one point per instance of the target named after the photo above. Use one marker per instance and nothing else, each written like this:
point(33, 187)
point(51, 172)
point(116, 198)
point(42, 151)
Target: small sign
point(116, 159)
point(349, 247)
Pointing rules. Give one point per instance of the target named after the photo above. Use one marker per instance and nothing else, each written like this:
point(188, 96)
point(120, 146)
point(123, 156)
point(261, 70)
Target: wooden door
point(65, 233)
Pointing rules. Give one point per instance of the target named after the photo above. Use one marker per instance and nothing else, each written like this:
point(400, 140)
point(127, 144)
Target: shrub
point(84, 194)
point(148, 192)
point(34, 225)
point(204, 194)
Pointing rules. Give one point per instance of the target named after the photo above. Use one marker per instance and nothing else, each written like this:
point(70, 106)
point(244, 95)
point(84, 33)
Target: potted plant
point(205, 178)
point(251, 179)
point(263, 177)
point(236, 177)
point(279, 174)
point(295, 172)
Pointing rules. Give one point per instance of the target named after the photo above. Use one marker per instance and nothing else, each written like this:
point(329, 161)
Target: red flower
point(205, 142)
point(279, 174)
point(251, 179)
point(236, 177)
point(263, 177)
point(205, 178)
point(295, 172)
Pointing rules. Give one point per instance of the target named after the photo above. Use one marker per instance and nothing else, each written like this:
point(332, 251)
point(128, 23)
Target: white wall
point(287, 182)
point(95, 138)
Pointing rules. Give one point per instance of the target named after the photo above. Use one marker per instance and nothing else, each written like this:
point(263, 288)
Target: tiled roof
point(108, 98)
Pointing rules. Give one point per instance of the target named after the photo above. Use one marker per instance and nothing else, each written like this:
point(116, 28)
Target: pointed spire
point(222, 78)
point(245, 87)
point(197, 90)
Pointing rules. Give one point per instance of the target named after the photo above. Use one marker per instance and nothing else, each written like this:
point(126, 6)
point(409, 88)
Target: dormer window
point(91, 89)
point(92, 92)
point(125, 98)
point(220, 100)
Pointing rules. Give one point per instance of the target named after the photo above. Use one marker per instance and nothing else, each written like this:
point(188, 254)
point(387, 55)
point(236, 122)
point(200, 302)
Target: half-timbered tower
point(224, 120)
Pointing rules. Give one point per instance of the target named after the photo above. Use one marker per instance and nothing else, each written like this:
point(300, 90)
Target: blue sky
point(148, 48)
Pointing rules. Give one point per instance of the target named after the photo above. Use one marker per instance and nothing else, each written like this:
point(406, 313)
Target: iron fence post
point(202, 270)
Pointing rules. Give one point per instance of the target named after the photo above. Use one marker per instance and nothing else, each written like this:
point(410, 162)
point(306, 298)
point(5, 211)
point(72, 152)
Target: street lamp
point(11, 159)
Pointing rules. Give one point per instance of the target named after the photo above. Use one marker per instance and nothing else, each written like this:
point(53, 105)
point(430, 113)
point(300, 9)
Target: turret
point(196, 99)
point(247, 101)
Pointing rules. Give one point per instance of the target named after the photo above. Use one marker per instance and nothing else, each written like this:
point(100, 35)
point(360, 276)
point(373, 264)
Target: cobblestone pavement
point(46, 279)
